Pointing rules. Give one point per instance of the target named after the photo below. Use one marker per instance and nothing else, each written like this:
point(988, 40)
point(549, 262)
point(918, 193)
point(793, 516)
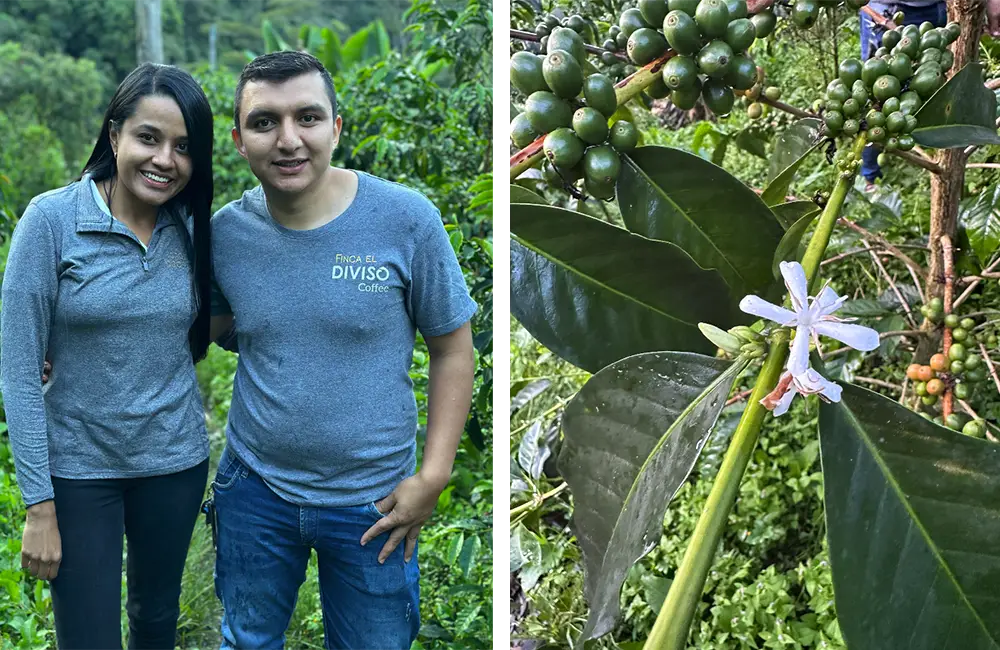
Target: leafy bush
point(66, 95)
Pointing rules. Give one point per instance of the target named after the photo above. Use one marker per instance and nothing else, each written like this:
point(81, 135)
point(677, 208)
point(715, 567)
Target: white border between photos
point(501, 326)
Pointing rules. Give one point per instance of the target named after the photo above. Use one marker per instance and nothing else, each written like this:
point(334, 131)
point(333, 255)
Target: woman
point(109, 277)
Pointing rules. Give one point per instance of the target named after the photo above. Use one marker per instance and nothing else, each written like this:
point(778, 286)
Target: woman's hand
point(41, 546)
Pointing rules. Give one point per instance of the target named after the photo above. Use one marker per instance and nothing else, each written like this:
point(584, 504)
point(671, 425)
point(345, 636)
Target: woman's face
point(151, 148)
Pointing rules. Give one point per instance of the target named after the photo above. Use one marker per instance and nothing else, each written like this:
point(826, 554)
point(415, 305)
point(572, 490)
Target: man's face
point(288, 132)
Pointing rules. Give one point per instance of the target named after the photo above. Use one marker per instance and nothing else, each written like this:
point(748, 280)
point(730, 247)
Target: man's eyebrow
point(313, 108)
point(258, 113)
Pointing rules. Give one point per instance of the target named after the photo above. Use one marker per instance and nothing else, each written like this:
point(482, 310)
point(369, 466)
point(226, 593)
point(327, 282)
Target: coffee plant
point(705, 284)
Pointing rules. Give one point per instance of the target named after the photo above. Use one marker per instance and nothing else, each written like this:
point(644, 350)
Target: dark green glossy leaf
point(631, 437)
point(719, 154)
point(788, 247)
point(961, 113)
point(594, 293)
point(788, 213)
point(863, 308)
point(792, 144)
point(525, 549)
point(981, 216)
point(752, 142)
point(675, 196)
point(777, 189)
point(913, 519)
point(528, 393)
point(706, 131)
point(520, 194)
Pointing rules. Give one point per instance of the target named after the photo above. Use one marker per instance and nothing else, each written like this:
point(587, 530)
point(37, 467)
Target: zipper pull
point(145, 264)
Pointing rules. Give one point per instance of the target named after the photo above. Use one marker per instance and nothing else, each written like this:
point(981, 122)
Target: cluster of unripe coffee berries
point(882, 95)
point(960, 371)
point(572, 112)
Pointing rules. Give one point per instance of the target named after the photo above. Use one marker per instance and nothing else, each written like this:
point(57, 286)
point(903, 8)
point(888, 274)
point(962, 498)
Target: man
point(329, 273)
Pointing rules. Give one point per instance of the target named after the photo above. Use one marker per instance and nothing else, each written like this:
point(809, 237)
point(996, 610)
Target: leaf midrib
point(573, 269)
point(684, 213)
point(891, 481)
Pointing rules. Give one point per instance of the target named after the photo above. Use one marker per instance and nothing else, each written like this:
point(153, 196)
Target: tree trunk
point(148, 31)
point(946, 187)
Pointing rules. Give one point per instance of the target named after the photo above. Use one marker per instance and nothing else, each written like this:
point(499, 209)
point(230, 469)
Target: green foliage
point(31, 162)
point(101, 32)
point(63, 94)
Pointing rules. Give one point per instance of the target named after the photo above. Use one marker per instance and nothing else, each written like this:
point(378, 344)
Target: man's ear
point(338, 126)
point(238, 140)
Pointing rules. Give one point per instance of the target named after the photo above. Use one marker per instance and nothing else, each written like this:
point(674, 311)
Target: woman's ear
point(113, 134)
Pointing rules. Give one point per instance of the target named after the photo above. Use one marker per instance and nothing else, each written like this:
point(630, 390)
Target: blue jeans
point(871, 40)
point(264, 544)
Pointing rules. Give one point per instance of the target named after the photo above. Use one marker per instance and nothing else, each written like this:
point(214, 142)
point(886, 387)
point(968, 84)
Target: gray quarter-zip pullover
point(113, 317)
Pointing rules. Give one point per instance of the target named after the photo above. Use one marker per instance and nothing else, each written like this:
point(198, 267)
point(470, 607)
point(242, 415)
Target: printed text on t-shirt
point(354, 267)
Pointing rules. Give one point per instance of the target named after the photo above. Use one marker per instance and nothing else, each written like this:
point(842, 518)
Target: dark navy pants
point(156, 515)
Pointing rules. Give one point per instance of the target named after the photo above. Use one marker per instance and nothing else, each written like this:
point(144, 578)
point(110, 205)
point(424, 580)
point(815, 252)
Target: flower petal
point(828, 302)
point(795, 280)
point(785, 402)
point(798, 360)
point(759, 307)
point(813, 382)
point(858, 337)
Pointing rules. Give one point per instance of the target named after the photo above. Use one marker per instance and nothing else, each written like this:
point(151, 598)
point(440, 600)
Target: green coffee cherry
point(714, 59)
point(849, 71)
point(875, 118)
point(712, 17)
point(590, 125)
point(885, 87)
point(563, 148)
point(680, 72)
point(682, 33)
point(624, 136)
point(805, 13)
point(562, 74)
point(718, 97)
point(764, 23)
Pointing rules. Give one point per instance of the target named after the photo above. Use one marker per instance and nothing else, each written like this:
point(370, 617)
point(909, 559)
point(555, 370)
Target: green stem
point(670, 632)
point(821, 237)
point(674, 621)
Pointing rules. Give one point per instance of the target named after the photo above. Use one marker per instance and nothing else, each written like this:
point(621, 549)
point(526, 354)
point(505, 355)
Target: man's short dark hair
point(282, 66)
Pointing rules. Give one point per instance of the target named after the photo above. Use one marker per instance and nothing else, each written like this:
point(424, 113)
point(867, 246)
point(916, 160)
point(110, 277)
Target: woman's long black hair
point(196, 197)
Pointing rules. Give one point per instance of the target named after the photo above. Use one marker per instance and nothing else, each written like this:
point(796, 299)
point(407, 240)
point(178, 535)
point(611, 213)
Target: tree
point(148, 31)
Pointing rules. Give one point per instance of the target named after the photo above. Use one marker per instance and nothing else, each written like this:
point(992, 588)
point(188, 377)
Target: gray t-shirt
point(113, 318)
point(323, 406)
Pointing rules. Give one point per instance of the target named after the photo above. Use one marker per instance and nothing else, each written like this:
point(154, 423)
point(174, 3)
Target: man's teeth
point(158, 179)
point(295, 163)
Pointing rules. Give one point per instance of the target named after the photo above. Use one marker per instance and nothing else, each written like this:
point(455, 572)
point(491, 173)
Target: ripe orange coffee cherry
point(939, 362)
point(935, 387)
point(924, 373)
point(912, 370)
